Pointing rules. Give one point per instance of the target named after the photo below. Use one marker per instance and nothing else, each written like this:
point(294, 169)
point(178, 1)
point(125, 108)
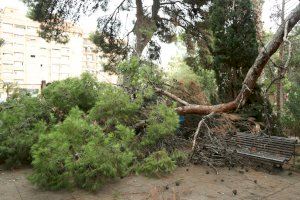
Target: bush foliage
point(162, 122)
point(76, 152)
point(81, 133)
point(157, 164)
point(65, 95)
point(113, 106)
point(21, 121)
point(291, 115)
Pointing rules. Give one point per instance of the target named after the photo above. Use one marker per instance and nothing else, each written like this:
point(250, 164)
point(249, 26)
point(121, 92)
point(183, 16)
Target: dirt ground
point(188, 183)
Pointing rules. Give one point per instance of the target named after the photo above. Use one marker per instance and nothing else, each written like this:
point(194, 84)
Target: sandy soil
point(188, 183)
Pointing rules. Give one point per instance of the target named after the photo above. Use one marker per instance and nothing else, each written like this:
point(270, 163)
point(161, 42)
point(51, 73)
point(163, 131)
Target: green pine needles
point(21, 121)
point(79, 153)
point(157, 164)
point(81, 133)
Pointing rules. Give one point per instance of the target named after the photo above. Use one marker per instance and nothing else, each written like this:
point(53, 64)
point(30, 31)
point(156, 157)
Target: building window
point(19, 55)
point(7, 56)
point(56, 60)
point(55, 68)
point(6, 26)
point(44, 51)
point(19, 81)
point(19, 74)
point(8, 45)
point(7, 36)
point(65, 59)
point(31, 39)
point(31, 30)
point(19, 36)
point(65, 68)
point(20, 29)
point(19, 45)
point(65, 49)
point(18, 64)
point(7, 65)
point(56, 52)
point(7, 76)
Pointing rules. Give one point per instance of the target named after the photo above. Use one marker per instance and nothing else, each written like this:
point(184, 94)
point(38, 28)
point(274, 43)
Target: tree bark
point(257, 7)
point(145, 26)
point(279, 85)
point(252, 75)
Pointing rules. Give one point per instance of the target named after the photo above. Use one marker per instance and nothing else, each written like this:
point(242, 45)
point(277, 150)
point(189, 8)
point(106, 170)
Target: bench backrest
point(257, 143)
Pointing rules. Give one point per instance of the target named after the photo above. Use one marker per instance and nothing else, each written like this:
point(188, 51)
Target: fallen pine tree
point(250, 79)
point(209, 144)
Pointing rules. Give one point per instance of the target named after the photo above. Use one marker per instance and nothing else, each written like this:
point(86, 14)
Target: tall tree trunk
point(279, 85)
point(258, 4)
point(145, 26)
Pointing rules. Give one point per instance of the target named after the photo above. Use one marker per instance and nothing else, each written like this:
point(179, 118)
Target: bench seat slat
point(266, 140)
point(266, 148)
point(273, 138)
point(278, 159)
point(273, 152)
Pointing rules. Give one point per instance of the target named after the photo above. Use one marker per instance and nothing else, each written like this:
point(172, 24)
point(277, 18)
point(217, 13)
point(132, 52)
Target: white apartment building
point(26, 59)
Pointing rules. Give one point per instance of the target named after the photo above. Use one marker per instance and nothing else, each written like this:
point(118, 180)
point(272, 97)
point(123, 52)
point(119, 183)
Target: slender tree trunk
point(279, 85)
point(257, 4)
point(145, 26)
point(139, 28)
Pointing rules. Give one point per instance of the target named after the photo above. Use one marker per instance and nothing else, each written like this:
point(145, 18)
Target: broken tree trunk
point(252, 75)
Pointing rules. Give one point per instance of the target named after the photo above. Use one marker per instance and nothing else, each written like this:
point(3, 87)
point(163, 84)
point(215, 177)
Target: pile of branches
point(211, 149)
point(209, 141)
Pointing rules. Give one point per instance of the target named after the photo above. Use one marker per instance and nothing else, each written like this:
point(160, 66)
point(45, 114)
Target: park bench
point(269, 149)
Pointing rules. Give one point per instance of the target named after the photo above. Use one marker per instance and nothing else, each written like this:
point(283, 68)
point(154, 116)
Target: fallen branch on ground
point(202, 122)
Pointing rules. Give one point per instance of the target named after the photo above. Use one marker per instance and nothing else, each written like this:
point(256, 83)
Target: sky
point(89, 24)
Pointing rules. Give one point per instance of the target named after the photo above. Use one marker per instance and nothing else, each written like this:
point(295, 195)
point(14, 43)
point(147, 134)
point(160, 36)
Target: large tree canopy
point(155, 17)
point(235, 46)
point(159, 18)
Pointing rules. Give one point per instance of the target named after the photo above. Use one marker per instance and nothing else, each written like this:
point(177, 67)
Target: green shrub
point(139, 76)
point(114, 106)
point(162, 122)
point(19, 129)
point(291, 116)
point(78, 153)
point(71, 92)
point(180, 157)
point(100, 163)
point(49, 161)
point(157, 164)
